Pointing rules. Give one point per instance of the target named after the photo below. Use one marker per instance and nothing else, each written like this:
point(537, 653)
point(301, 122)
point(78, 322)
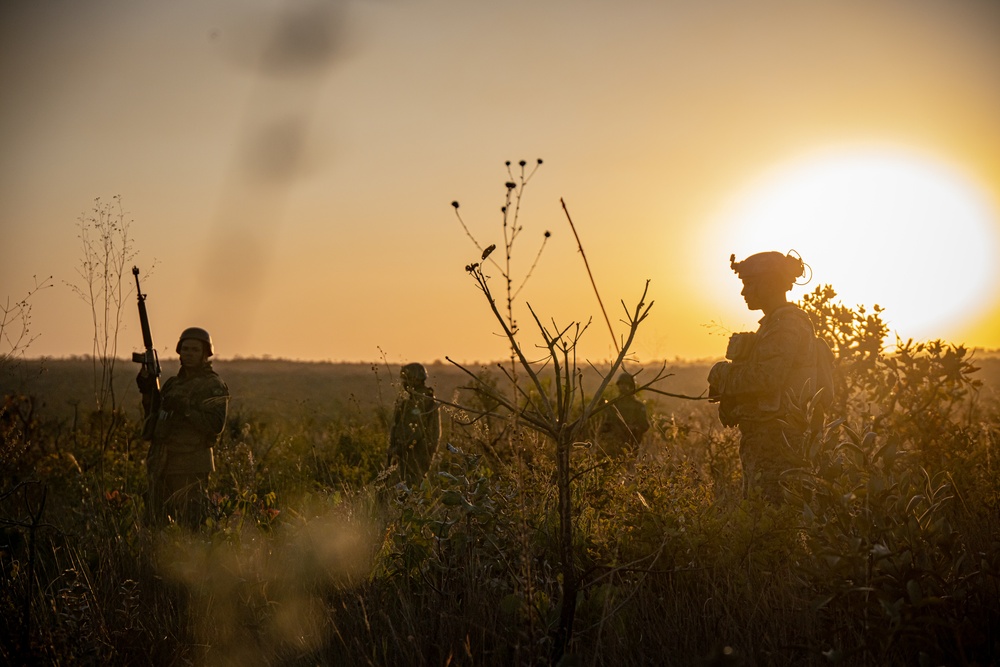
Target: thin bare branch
point(534, 264)
point(593, 283)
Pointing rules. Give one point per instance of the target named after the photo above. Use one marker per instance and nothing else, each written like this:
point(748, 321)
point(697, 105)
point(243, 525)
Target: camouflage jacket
point(416, 429)
point(192, 415)
point(625, 422)
point(768, 369)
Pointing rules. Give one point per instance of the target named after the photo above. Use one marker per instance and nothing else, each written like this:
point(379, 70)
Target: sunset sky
point(289, 167)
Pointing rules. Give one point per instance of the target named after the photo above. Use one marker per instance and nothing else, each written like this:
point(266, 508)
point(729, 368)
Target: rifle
point(150, 362)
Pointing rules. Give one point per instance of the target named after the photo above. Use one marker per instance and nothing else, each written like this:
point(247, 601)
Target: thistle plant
point(511, 228)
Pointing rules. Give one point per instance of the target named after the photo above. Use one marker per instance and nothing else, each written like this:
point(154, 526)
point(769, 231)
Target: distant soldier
point(625, 421)
point(416, 426)
point(191, 416)
point(766, 371)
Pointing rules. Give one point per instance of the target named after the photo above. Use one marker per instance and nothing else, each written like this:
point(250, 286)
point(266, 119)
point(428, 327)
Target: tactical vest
point(771, 367)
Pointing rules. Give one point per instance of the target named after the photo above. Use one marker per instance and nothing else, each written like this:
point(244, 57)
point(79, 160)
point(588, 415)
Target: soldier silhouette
point(765, 371)
point(416, 426)
point(625, 421)
point(191, 416)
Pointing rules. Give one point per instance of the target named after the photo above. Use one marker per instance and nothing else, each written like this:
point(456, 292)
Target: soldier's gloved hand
point(145, 382)
point(717, 379)
point(740, 345)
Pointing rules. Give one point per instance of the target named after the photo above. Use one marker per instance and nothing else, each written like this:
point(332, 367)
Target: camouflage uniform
point(416, 426)
point(769, 368)
point(192, 415)
point(625, 422)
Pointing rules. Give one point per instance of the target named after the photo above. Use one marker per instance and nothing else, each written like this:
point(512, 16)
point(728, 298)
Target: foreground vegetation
point(887, 550)
point(522, 546)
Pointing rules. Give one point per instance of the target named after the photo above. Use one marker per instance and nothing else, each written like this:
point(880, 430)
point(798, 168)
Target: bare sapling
point(107, 254)
point(511, 227)
point(559, 411)
point(558, 408)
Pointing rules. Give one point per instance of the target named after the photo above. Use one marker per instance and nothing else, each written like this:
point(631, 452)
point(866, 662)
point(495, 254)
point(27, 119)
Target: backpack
point(825, 361)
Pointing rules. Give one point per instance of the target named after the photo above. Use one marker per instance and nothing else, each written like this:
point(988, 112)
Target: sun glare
point(882, 227)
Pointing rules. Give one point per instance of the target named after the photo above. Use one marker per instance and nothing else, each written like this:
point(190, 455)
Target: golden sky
point(289, 166)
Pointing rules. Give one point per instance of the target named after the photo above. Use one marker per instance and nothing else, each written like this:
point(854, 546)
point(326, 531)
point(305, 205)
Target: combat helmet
point(196, 333)
point(626, 382)
point(413, 372)
point(786, 268)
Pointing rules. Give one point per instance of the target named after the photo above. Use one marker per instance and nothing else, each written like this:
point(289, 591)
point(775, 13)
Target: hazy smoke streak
point(295, 50)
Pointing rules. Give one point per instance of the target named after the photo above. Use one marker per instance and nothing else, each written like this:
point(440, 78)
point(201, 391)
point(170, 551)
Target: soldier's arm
point(208, 411)
point(145, 382)
point(399, 412)
point(396, 429)
point(643, 425)
point(434, 424)
point(394, 445)
point(149, 389)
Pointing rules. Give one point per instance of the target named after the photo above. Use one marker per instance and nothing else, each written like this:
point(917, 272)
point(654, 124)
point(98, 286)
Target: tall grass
point(882, 554)
point(886, 550)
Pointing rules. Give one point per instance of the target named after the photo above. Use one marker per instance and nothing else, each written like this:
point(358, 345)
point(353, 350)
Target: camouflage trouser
point(766, 451)
point(156, 463)
point(180, 498)
point(174, 496)
point(412, 463)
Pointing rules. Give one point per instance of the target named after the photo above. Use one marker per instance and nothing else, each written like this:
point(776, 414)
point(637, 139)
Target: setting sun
point(885, 227)
point(288, 165)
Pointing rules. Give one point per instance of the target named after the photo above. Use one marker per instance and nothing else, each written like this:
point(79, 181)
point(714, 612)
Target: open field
point(300, 388)
point(887, 553)
point(335, 390)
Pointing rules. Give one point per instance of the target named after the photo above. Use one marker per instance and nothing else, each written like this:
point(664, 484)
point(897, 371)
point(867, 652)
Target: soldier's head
point(625, 383)
point(413, 375)
point(194, 347)
point(766, 277)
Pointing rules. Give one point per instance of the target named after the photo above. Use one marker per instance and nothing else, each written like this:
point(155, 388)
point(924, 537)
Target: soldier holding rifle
point(184, 420)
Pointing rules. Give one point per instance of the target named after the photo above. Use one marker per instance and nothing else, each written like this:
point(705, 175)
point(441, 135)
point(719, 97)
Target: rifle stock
point(150, 363)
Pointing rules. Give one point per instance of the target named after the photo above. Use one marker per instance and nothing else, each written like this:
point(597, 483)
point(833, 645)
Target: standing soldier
point(191, 416)
point(416, 426)
point(625, 421)
point(765, 371)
